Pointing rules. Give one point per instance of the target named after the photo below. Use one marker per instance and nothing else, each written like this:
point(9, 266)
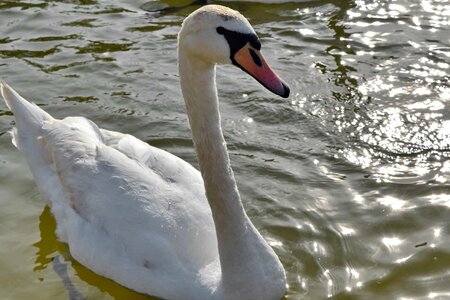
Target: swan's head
point(219, 35)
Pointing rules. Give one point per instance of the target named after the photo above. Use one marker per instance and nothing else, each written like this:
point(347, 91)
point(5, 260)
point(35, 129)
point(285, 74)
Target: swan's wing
point(168, 166)
point(160, 217)
point(121, 214)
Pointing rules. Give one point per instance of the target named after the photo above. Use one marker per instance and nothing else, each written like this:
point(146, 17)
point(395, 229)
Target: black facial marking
point(237, 40)
point(254, 41)
point(255, 57)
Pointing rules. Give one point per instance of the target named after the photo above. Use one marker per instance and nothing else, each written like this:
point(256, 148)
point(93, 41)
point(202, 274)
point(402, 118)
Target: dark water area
point(348, 179)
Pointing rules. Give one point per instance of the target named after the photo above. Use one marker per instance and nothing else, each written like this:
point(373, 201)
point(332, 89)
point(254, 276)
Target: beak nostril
point(255, 57)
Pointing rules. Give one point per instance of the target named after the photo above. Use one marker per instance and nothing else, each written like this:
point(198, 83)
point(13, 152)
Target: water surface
point(348, 179)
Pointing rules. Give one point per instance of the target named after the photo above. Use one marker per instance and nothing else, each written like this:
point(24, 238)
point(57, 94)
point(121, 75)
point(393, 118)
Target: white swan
point(139, 215)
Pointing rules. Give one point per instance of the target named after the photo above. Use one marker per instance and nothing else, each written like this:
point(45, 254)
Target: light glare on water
point(348, 179)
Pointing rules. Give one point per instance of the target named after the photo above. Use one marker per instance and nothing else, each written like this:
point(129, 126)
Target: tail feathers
point(29, 117)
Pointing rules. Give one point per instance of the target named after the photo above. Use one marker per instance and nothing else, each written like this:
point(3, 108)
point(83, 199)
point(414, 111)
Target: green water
point(348, 179)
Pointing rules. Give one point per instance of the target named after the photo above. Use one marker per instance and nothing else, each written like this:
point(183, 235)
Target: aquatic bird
point(142, 216)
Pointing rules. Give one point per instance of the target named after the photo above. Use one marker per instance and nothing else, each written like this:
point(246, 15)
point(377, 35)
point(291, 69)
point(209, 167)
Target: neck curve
point(199, 90)
point(248, 264)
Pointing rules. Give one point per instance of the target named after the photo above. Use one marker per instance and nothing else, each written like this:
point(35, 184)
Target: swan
point(142, 216)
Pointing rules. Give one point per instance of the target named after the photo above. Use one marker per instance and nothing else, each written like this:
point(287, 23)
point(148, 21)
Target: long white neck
point(200, 94)
point(245, 257)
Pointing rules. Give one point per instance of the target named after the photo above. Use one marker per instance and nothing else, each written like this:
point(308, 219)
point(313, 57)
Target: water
point(348, 179)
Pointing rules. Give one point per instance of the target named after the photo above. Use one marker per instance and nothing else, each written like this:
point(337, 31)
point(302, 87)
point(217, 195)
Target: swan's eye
point(237, 40)
point(220, 30)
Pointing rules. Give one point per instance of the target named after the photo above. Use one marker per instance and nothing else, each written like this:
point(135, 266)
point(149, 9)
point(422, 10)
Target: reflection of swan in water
point(45, 256)
point(139, 215)
point(60, 268)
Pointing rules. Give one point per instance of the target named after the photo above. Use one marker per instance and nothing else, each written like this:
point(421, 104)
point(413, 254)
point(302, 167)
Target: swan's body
point(140, 215)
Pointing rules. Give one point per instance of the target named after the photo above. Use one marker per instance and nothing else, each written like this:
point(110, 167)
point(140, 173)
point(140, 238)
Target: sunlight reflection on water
point(419, 123)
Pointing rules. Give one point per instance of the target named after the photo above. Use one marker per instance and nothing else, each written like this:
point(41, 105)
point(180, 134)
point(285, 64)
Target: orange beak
point(251, 61)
